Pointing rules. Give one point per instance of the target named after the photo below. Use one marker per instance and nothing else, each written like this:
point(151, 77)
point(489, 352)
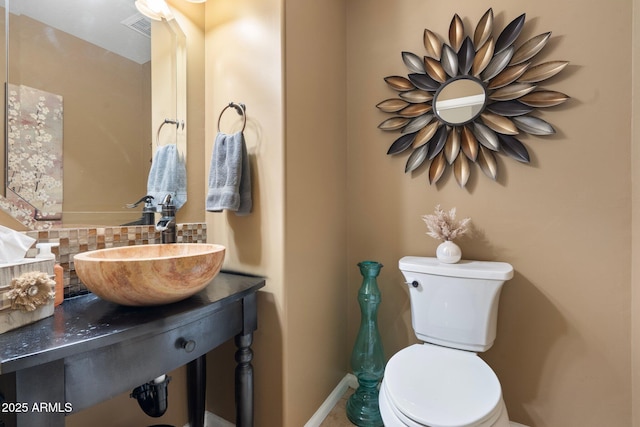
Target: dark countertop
point(87, 322)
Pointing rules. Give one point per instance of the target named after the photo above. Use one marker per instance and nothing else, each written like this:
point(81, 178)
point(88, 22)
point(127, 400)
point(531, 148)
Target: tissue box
point(10, 318)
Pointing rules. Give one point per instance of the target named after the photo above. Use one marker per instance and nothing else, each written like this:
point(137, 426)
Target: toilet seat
point(429, 385)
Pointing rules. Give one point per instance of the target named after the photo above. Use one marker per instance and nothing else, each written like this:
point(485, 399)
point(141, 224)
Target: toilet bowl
point(429, 385)
point(442, 382)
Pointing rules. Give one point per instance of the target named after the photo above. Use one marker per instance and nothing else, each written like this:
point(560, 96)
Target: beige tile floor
point(338, 415)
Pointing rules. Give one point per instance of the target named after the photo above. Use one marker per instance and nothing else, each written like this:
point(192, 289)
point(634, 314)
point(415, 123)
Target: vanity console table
point(91, 350)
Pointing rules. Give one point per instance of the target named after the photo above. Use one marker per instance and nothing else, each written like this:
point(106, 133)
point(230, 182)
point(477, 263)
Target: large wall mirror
point(88, 85)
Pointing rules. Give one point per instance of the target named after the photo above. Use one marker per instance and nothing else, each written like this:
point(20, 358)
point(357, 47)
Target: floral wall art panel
point(34, 152)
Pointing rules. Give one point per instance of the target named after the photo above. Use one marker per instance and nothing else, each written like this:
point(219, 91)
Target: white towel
point(168, 175)
point(229, 175)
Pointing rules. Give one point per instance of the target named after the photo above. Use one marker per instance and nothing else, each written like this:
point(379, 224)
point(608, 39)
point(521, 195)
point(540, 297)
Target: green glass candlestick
point(367, 358)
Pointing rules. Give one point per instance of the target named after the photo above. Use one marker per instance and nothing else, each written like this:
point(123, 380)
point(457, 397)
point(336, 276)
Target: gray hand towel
point(229, 175)
point(168, 175)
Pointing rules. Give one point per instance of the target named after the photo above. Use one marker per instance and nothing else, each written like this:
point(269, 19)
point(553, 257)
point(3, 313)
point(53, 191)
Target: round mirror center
point(459, 101)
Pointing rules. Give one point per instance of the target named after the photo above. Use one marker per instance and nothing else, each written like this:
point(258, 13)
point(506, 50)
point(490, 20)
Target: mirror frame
point(511, 83)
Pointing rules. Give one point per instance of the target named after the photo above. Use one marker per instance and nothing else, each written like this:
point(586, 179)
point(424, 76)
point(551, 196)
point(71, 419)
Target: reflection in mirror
point(81, 77)
point(459, 101)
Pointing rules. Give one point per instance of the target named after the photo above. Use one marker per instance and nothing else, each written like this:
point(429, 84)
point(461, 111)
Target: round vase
point(448, 252)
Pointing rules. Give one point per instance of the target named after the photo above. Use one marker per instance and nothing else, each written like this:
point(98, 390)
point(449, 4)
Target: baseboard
point(212, 420)
point(349, 381)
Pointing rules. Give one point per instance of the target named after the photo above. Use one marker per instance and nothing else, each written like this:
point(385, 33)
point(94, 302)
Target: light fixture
point(154, 9)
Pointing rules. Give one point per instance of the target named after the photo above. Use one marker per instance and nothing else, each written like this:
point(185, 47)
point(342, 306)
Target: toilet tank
point(455, 305)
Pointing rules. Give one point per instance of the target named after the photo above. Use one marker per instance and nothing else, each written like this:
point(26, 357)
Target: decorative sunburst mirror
point(466, 101)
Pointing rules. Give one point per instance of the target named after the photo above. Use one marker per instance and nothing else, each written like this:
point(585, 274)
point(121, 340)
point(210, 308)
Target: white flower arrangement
point(442, 225)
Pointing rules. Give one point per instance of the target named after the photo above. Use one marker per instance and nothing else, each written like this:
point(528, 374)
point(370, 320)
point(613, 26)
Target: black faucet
point(148, 211)
point(167, 224)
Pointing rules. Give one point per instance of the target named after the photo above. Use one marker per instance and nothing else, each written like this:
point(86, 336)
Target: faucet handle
point(167, 200)
point(168, 208)
point(146, 199)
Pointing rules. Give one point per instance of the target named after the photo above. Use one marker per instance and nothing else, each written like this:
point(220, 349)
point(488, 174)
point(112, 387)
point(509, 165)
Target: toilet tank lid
point(465, 268)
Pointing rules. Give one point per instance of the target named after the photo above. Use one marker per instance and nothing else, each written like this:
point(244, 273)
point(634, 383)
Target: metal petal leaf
point(449, 61)
point(437, 142)
point(394, 123)
point(413, 62)
point(530, 48)
point(416, 96)
point(497, 64)
point(461, 170)
point(418, 123)
point(456, 32)
point(509, 108)
point(401, 144)
point(499, 124)
point(416, 158)
point(486, 136)
point(507, 76)
point(533, 125)
point(483, 57)
point(512, 91)
point(424, 82)
point(432, 44)
point(452, 146)
point(392, 105)
point(468, 144)
point(513, 148)
point(484, 28)
point(436, 169)
point(435, 70)
point(465, 56)
point(399, 83)
point(415, 110)
point(510, 33)
point(487, 162)
point(425, 134)
point(544, 98)
point(543, 71)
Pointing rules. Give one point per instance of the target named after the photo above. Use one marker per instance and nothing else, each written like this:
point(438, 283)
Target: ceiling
point(99, 22)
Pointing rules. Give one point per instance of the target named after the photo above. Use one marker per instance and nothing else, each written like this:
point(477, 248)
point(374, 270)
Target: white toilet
point(443, 382)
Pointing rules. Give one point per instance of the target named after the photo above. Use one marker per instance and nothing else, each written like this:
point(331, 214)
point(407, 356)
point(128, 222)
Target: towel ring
point(241, 109)
point(173, 122)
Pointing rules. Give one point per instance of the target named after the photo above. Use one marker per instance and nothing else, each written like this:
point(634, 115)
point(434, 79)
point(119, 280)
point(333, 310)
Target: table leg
point(244, 381)
point(196, 390)
point(34, 397)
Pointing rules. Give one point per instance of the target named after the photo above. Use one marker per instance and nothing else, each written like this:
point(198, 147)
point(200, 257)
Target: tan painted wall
point(635, 248)
point(244, 60)
point(316, 204)
point(564, 221)
point(296, 136)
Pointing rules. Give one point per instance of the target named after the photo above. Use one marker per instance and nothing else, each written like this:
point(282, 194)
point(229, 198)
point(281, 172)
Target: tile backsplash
point(75, 240)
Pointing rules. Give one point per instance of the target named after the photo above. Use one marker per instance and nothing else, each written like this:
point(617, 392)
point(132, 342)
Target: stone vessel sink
point(149, 274)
